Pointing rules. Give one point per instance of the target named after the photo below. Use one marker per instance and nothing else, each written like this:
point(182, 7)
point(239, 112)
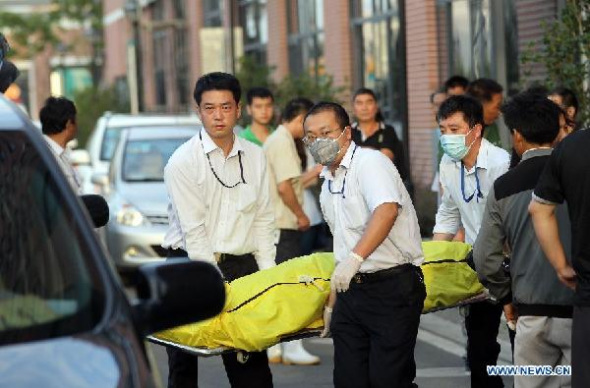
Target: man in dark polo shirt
point(567, 178)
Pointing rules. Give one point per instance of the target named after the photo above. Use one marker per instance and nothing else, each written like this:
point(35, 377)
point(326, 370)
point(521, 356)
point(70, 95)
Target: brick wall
point(117, 31)
point(337, 45)
point(422, 80)
point(530, 15)
point(277, 54)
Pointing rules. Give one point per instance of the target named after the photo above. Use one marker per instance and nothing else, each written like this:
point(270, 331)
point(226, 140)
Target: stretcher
point(286, 302)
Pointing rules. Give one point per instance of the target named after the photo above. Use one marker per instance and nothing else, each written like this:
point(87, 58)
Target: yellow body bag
point(265, 306)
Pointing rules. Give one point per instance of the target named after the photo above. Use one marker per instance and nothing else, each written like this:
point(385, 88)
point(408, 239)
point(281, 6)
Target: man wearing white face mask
point(378, 282)
point(468, 170)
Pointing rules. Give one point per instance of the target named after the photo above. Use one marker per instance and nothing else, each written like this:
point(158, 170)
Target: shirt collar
point(531, 153)
point(55, 147)
point(345, 162)
point(209, 146)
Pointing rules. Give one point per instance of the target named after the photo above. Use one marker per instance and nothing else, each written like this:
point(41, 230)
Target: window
point(48, 285)
point(160, 50)
point(254, 25)
point(306, 36)
point(380, 55)
point(482, 39)
point(181, 60)
point(144, 160)
point(212, 38)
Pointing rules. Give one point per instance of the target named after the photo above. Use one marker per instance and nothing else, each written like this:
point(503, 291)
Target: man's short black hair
point(55, 114)
point(362, 91)
point(258, 92)
point(8, 74)
point(217, 81)
point(294, 108)
point(568, 97)
point(469, 106)
point(484, 89)
point(534, 116)
point(454, 81)
point(324, 106)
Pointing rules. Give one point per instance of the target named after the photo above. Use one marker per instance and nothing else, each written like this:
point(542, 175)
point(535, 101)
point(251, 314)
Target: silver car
point(137, 195)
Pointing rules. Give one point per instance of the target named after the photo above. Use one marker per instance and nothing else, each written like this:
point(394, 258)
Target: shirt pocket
point(354, 213)
point(247, 199)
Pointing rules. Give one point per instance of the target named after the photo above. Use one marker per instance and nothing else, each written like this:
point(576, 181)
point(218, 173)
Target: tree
point(252, 73)
point(31, 34)
point(564, 51)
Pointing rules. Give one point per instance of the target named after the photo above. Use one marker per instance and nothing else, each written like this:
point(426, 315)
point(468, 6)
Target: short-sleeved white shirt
point(364, 180)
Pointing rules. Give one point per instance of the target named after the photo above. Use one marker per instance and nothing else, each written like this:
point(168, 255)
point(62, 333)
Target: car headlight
point(130, 216)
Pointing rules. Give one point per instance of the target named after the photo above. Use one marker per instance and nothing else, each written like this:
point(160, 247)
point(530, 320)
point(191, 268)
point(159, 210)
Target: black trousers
point(482, 323)
point(581, 347)
point(374, 327)
point(289, 245)
point(183, 368)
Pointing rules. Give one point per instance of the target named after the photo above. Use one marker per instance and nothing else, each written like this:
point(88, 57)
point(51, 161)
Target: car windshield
point(144, 160)
point(49, 285)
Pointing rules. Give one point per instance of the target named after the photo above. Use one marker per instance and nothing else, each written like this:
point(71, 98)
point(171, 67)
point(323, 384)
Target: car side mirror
point(176, 292)
point(97, 209)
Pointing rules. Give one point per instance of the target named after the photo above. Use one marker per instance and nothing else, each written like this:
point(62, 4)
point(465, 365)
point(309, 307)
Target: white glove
point(344, 272)
point(327, 321)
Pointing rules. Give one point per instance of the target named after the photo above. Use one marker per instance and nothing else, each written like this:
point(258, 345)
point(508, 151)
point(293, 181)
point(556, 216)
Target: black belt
point(222, 256)
point(229, 257)
point(369, 277)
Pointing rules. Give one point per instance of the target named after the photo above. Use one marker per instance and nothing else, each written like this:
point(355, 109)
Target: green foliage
point(564, 50)
point(31, 33)
point(316, 89)
point(252, 73)
point(91, 103)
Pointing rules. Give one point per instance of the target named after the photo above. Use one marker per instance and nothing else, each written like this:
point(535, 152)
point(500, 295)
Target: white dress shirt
point(364, 180)
point(454, 211)
point(208, 218)
point(63, 159)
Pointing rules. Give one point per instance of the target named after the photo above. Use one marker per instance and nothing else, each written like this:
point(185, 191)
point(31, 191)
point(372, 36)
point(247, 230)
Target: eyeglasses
point(310, 139)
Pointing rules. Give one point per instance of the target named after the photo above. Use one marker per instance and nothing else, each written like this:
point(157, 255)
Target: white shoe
point(295, 354)
point(274, 354)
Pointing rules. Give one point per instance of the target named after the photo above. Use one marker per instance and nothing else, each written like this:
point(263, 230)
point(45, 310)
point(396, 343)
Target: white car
point(103, 140)
point(137, 196)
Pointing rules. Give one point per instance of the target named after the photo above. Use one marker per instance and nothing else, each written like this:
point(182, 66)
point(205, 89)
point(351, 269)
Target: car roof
point(126, 120)
point(161, 132)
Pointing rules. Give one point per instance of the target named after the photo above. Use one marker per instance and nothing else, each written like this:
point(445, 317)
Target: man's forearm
point(289, 198)
point(378, 228)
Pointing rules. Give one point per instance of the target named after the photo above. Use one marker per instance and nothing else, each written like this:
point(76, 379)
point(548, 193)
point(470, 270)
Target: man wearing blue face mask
point(468, 170)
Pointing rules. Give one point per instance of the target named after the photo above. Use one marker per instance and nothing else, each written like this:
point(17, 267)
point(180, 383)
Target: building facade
point(403, 50)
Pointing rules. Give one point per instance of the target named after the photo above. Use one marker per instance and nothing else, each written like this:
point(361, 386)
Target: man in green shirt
point(260, 108)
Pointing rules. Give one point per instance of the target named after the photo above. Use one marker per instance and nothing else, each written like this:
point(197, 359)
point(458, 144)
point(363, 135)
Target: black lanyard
point(477, 190)
point(213, 171)
point(344, 180)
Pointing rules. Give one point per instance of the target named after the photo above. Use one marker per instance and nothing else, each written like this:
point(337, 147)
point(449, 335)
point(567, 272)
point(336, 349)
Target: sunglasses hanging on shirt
point(215, 174)
point(477, 190)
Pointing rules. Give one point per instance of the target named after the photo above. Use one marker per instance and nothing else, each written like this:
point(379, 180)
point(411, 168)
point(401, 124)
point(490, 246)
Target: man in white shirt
point(377, 247)
point(58, 124)
point(220, 212)
point(468, 170)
